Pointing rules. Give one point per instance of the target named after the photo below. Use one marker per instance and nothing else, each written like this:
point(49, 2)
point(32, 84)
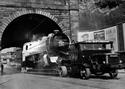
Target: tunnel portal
point(21, 29)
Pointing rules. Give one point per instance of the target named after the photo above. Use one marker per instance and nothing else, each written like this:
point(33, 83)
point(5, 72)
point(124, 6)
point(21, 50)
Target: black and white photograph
point(62, 44)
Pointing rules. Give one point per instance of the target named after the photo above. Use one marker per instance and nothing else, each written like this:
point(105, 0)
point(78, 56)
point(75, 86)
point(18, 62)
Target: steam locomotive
point(52, 52)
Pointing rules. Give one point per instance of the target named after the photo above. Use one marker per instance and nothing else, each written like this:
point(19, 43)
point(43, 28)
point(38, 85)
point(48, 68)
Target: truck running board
point(53, 72)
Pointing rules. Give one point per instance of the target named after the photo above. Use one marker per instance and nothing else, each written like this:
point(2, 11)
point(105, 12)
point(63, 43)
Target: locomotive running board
point(53, 72)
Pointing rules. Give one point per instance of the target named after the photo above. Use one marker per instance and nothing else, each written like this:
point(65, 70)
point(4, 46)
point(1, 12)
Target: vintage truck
point(99, 57)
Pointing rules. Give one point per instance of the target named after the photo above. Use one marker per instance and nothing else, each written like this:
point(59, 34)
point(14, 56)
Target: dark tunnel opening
point(21, 29)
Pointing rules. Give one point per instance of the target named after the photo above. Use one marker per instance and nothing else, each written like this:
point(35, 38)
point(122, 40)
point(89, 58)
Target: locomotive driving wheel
point(63, 71)
point(113, 73)
point(85, 73)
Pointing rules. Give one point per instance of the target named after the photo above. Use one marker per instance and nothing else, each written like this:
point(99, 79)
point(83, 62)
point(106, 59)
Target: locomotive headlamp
point(61, 43)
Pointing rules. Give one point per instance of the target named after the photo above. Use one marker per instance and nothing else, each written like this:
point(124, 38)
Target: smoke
point(36, 37)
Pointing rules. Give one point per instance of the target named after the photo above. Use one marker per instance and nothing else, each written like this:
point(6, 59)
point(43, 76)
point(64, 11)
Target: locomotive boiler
point(52, 52)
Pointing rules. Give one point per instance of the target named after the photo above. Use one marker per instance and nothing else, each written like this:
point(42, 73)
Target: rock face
point(99, 14)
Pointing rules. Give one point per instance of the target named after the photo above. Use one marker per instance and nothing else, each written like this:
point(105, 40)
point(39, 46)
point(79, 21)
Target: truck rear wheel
point(63, 71)
point(113, 74)
point(85, 73)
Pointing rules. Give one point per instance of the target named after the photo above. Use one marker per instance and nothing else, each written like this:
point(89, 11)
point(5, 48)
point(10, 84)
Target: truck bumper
point(118, 66)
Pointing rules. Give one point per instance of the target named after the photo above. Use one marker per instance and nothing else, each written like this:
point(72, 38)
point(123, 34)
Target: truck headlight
point(120, 61)
point(103, 62)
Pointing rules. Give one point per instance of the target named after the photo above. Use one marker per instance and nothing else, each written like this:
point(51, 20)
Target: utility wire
point(38, 25)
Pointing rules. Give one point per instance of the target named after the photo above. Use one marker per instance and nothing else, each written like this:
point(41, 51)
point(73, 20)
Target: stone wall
point(74, 18)
point(65, 13)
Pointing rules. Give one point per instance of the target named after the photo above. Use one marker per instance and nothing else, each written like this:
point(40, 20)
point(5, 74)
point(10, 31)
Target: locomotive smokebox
point(58, 43)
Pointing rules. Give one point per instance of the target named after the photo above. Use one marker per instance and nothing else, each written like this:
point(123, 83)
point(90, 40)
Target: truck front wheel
point(63, 71)
point(113, 73)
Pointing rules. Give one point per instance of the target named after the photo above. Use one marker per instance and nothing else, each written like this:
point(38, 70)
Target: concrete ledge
point(121, 71)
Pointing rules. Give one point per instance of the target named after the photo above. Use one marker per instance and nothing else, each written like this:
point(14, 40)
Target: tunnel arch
point(19, 30)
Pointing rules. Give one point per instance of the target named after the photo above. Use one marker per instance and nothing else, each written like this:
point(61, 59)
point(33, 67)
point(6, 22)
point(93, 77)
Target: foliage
point(108, 3)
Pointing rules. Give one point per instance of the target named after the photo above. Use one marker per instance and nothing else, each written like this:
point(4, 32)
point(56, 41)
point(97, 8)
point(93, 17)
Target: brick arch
point(9, 19)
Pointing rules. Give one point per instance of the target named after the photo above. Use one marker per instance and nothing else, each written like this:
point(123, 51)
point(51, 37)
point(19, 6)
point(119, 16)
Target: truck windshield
point(95, 45)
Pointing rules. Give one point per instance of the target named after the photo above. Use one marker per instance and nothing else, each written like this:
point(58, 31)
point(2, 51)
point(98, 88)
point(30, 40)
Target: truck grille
point(122, 57)
point(113, 60)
